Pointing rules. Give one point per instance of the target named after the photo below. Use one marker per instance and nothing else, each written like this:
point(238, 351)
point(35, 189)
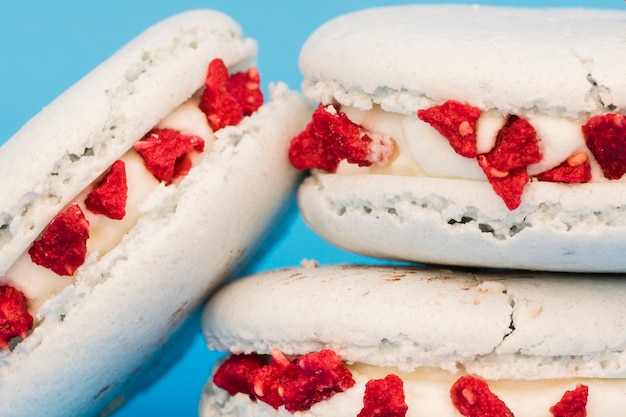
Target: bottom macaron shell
point(461, 222)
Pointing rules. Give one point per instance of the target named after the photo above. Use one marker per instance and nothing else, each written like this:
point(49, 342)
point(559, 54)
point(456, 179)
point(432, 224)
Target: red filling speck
point(62, 247)
point(330, 137)
point(576, 169)
point(15, 320)
point(605, 136)
point(384, 398)
point(517, 146)
point(296, 384)
point(164, 152)
point(227, 99)
point(456, 122)
point(109, 196)
point(572, 404)
point(473, 398)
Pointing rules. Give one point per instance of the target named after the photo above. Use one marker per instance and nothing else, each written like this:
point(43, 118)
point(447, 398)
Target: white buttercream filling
point(427, 394)
point(39, 283)
point(423, 151)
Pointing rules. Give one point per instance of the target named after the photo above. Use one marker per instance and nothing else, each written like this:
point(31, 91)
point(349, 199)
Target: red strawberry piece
point(220, 107)
point(516, 146)
point(457, 123)
point(62, 247)
point(307, 150)
point(505, 165)
point(246, 88)
point(110, 194)
point(269, 383)
point(572, 404)
point(508, 185)
point(384, 398)
point(348, 140)
point(473, 398)
point(299, 384)
point(227, 99)
point(576, 169)
point(234, 373)
point(332, 136)
point(320, 376)
point(15, 320)
point(163, 149)
point(605, 136)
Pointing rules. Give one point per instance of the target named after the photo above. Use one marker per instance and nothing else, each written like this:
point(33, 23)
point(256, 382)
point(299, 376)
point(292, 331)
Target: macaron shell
point(126, 305)
point(497, 325)
point(558, 227)
point(566, 61)
point(74, 139)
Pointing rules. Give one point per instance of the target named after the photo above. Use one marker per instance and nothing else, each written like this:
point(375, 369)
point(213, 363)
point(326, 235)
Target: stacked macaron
point(470, 136)
point(126, 201)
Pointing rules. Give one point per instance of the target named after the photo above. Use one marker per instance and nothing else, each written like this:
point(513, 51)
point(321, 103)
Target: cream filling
point(39, 283)
point(427, 394)
point(423, 151)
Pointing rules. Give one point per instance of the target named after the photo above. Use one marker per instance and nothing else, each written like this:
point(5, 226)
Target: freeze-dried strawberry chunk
point(62, 247)
point(508, 185)
point(246, 88)
point(605, 136)
point(331, 136)
point(109, 196)
point(269, 383)
point(505, 165)
point(384, 398)
point(309, 151)
point(473, 398)
point(15, 320)
point(457, 123)
point(575, 169)
point(516, 146)
point(298, 384)
point(320, 376)
point(164, 152)
point(572, 404)
point(233, 375)
point(227, 99)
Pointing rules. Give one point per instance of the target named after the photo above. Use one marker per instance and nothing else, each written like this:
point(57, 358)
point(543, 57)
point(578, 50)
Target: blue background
point(46, 46)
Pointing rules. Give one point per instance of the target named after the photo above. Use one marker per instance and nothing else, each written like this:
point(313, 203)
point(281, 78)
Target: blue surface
point(46, 46)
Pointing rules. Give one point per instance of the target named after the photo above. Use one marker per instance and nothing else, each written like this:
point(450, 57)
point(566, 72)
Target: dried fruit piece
point(332, 136)
point(307, 150)
point(320, 375)
point(296, 384)
point(15, 320)
point(473, 398)
point(164, 152)
point(233, 375)
point(384, 398)
point(457, 123)
point(269, 383)
point(227, 99)
point(62, 247)
point(572, 404)
point(246, 88)
point(605, 136)
point(517, 146)
point(508, 185)
point(109, 196)
point(575, 169)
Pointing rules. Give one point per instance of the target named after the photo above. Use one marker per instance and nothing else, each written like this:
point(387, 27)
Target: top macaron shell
point(496, 325)
point(566, 61)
